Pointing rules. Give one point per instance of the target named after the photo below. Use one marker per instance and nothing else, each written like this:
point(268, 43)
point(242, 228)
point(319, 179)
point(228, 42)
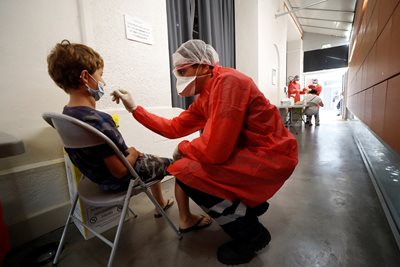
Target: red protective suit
point(316, 87)
point(294, 91)
point(244, 153)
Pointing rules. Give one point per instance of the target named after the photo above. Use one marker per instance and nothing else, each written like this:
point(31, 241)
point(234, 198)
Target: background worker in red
point(315, 86)
point(241, 159)
point(294, 89)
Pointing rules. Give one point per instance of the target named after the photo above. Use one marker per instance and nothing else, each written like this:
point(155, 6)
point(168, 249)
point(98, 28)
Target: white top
point(312, 102)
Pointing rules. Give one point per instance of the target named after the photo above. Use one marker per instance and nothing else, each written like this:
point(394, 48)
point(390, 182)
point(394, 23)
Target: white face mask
point(185, 86)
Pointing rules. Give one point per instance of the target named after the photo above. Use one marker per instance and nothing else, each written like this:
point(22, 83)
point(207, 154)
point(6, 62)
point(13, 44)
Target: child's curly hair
point(66, 62)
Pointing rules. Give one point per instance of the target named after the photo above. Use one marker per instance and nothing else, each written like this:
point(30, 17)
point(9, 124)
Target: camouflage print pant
point(150, 167)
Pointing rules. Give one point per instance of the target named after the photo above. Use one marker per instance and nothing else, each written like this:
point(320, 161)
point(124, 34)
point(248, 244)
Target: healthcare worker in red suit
point(243, 156)
point(315, 86)
point(294, 89)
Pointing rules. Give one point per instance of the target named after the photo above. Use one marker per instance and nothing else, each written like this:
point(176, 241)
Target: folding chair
point(77, 134)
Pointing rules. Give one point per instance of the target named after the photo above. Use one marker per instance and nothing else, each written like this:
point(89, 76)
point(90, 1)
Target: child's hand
point(125, 97)
point(115, 97)
point(132, 151)
point(132, 156)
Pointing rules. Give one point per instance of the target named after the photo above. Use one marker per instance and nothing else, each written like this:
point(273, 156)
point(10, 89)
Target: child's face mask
point(96, 94)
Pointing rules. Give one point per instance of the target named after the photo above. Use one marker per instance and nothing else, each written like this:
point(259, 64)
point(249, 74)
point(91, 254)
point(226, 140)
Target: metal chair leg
point(62, 240)
point(161, 210)
point(133, 213)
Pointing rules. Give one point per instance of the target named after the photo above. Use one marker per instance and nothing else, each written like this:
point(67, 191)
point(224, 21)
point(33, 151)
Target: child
point(78, 70)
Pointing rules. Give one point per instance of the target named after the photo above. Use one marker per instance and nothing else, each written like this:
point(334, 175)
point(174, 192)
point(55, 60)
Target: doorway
point(332, 82)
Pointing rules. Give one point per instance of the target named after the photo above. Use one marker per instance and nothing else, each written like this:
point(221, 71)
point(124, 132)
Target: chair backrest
point(75, 133)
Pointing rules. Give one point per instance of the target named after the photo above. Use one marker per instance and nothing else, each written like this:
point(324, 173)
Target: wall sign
point(138, 30)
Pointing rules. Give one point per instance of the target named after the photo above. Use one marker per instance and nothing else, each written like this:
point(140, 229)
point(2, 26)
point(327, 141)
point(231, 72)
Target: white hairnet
point(195, 52)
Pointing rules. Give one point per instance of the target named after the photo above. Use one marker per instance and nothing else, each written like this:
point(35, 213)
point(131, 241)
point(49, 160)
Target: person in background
point(318, 88)
point(294, 89)
point(337, 100)
point(314, 102)
point(243, 156)
point(78, 70)
point(315, 86)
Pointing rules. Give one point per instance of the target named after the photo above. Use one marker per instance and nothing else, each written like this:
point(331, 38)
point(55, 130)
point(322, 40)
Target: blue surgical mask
point(96, 94)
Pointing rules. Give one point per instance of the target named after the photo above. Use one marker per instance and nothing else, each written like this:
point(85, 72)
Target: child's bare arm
point(116, 166)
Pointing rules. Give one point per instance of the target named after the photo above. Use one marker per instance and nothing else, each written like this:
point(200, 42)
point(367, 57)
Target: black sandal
point(170, 203)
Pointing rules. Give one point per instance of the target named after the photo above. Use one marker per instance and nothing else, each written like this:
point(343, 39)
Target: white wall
point(142, 68)
point(246, 37)
point(314, 41)
point(28, 30)
point(294, 53)
point(28, 186)
point(261, 44)
point(33, 186)
point(294, 58)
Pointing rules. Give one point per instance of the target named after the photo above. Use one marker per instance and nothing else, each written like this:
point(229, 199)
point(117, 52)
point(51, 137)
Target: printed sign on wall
point(138, 30)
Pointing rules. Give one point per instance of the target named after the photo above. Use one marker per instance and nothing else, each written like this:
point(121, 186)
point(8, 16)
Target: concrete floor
point(327, 214)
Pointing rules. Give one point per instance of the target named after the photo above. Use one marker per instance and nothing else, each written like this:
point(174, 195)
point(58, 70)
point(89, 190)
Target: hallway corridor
point(327, 214)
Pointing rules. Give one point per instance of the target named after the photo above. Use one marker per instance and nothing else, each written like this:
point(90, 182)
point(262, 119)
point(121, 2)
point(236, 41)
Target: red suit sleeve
point(188, 122)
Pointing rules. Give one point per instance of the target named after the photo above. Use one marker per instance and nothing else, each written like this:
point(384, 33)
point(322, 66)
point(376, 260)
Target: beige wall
point(246, 37)
point(261, 44)
point(33, 188)
point(294, 60)
point(374, 69)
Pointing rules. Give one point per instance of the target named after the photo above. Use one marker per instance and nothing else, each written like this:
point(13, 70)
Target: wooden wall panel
point(350, 77)
point(361, 105)
point(357, 19)
point(358, 81)
point(369, 11)
point(364, 72)
point(372, 30)
point(368, 106)
point(350, 103)
point(386, 8)
point(378, 106)
point(395, 44)
point(391, 128)
point(356, 105)
point(372, 77)
point(361, 39)
point(373, 85)
point(383, 52)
